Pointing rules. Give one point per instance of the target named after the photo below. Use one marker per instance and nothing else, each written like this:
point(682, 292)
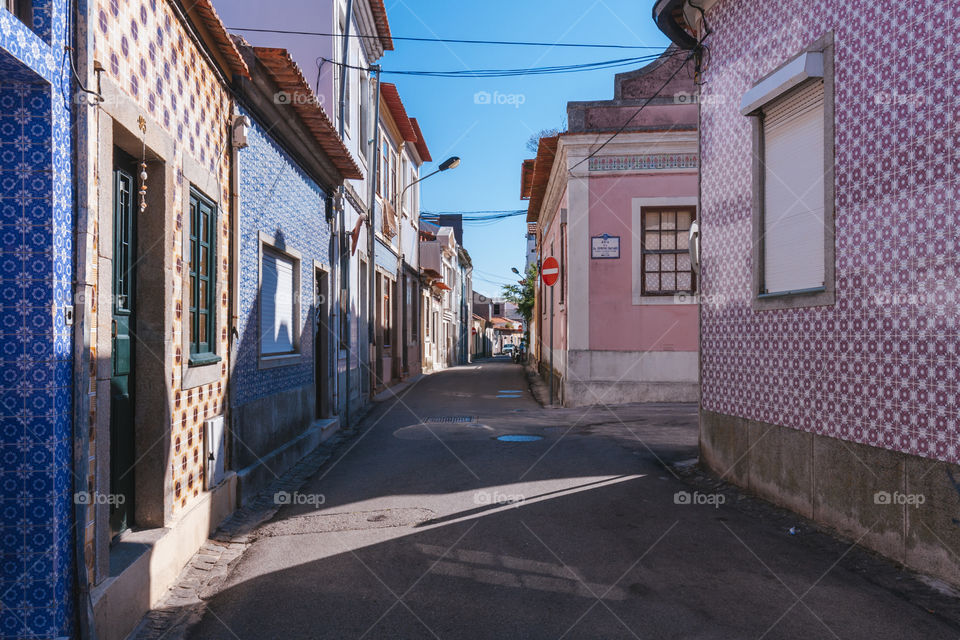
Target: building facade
point(282, 400)
point(38, 539)
point(448, 289)
point(620, 325)
point(829, 262)
point(396, 225)
point(329, 68)
point(155, 259)
point(189, 284)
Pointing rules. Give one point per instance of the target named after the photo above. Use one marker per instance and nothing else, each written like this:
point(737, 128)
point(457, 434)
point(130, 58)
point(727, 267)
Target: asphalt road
point(424, 529)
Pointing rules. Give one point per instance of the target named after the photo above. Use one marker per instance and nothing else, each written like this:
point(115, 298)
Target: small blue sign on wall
point(604, 247)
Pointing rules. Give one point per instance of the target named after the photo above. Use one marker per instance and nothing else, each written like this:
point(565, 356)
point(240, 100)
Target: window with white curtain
point(793, 229)
point(278, 308)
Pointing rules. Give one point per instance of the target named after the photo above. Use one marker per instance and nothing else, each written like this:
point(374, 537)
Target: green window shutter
point(202, 261)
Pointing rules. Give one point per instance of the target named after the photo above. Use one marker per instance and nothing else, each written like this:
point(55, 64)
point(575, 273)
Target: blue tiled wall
point(279, 199)
point(36, 272)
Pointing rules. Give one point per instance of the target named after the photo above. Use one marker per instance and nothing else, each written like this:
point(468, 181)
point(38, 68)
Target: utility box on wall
point(214, 451)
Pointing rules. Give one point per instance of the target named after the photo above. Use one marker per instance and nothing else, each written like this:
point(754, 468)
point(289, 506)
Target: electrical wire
point(465, 213)
point(507, 73)
point(487, 217)
point(512, 43)
point(635, 113)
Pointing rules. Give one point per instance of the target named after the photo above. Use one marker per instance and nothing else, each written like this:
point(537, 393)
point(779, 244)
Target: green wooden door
point(122, 450)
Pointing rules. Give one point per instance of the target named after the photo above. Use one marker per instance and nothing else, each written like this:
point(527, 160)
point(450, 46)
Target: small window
point(384, 168)
point(665, 267)
point(392, 189)
point(404, 181)
point(278, 296)
point(23, 9)
point(386, 311)
point(202, 261)
point(343, 317)
point(364, 98)
point(415, 324)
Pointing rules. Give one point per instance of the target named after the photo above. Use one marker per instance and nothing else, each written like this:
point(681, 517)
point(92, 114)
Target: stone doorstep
point(209, 567)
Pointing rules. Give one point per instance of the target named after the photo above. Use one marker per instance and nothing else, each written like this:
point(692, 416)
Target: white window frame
point(268, 245)
point(816, 61)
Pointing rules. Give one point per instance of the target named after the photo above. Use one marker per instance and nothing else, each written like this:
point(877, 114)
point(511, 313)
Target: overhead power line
point(474, 216)
point(468, 213)
point(635, 113)
point(511, 43)
point(507, 73)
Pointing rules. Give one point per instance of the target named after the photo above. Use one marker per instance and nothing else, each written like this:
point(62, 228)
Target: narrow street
point(422, 528)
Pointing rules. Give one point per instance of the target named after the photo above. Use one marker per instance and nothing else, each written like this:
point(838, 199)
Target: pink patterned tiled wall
point(882, 366)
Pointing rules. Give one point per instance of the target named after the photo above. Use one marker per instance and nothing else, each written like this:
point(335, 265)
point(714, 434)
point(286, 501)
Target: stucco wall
point(616, 323)
point(551, 236)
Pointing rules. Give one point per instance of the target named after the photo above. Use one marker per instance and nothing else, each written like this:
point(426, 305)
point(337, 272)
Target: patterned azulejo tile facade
point(149, 54)
point(36, 229)
point(279, 199)
point(882, 366)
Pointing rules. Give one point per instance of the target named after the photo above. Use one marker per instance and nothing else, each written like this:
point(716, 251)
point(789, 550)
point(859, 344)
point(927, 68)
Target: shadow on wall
point(275, 395)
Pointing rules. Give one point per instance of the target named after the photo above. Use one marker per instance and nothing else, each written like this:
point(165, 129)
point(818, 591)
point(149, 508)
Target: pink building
point(617, 218)
point(830, 225)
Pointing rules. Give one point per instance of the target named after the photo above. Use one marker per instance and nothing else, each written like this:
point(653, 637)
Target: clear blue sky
point(490, 138)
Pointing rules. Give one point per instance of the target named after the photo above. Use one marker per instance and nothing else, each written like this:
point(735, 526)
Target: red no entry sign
point(550, 271)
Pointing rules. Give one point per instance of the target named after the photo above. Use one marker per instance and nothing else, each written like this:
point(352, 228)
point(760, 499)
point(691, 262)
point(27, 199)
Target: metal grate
point(449, 419)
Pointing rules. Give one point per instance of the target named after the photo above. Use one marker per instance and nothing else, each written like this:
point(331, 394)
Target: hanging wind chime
point(143, 165)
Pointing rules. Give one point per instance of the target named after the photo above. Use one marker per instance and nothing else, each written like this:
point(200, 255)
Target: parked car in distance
point(508, 349)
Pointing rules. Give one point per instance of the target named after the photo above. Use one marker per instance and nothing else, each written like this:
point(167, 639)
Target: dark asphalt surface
point(441, 531)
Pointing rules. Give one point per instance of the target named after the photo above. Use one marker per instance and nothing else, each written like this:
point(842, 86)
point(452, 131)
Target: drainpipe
point(401, 275)
point(238, 122)
point(342, 244)
point(371, 241)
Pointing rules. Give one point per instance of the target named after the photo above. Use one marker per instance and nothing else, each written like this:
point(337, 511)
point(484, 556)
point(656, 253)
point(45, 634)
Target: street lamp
point(516, 271)
point(450, 163)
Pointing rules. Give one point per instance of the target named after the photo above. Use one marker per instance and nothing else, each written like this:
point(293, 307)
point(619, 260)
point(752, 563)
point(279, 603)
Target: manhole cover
point(518, 437)
point(448, 419)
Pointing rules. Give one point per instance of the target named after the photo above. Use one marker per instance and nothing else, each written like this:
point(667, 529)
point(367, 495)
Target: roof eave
point(665, 15)
point(205, 16)
point(383, 25)
point(288, 78)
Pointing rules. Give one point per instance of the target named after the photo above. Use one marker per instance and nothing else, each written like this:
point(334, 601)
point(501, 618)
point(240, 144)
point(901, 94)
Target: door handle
point(113, 328)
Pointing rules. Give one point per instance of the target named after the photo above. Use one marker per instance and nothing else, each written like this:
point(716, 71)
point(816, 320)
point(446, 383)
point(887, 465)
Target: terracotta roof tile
point(289, 79)
point(543, 166)
point(383, 26)
point(211, 21)
point(526, 178)
point(421, 143)
point(391, 97)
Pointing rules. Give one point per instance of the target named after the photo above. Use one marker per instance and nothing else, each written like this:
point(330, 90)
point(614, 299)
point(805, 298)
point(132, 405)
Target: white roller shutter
point(793, 233)
point(276, 304)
